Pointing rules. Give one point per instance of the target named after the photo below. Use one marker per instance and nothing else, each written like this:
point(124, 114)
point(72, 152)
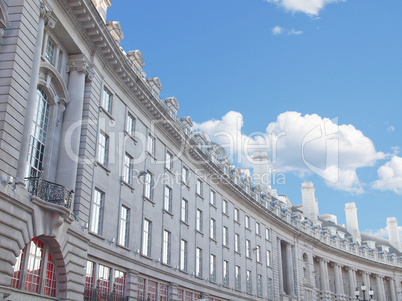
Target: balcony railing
point(98, 295)
point(50, 192)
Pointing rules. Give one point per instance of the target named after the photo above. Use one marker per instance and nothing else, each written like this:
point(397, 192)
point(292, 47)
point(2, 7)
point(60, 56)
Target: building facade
point(106, 194)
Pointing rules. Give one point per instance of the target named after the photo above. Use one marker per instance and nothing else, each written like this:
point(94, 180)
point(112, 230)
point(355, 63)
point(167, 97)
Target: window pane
point(97, 212)
point(124, 226)
point(38, 134)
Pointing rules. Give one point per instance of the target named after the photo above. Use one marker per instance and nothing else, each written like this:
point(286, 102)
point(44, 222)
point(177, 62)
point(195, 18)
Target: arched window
point(35, 270)
point(38, 135)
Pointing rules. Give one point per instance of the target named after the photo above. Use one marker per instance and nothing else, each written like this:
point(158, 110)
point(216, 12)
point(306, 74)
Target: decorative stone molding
point(80, 64)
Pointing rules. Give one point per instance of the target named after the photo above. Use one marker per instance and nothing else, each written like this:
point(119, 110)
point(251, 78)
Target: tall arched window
point(38, 135)
point(35, 270)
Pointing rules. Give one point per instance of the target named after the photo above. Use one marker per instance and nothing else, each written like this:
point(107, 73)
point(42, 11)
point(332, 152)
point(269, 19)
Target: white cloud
point(390, 128)
point(390, 176)
point(299, 144)
point(310, 7)
point(278, 30)
point(382, 233)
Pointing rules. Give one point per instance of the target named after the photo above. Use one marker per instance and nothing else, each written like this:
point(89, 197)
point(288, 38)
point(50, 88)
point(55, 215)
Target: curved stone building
point(106, 194)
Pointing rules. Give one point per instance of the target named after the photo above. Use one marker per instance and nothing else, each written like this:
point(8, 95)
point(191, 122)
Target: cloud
point(278, 30)
point(390, 128)
point(299, 144)
point(382, 233)
point(309, 7)
point(390, 176)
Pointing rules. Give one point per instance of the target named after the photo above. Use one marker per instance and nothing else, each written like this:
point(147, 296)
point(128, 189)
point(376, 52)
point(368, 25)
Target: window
point(270, 289)
point(146, 238)
point(225, 234)
point(199, 187)
point(259, 285)
point(89, 280)
point(212, 232)
point(167, 204)
point(163, 292)
point(103, 145)
point(237, 215)
point(249, 282)
point(184, 210)
point(212, 268)
point(258, 251)
point(35, 270)
point(124, 226)
point(97, 212)
point(183, 255)
point(104, 278)
point(128, 168)
point(151, 145)
point(130, 125)
point(268, 258)
point(226, 273)
point(148, 186)
point(166, 247)
point(184, 175)
point(257, 228)
point(237, 243)
point(212, 198)
point(267, 236)
point(169, 161)
point(247, 222)
point(199, 220)
point(50, 51)
point(107, 100)
point(38, 135)
point(225, 207)
point(198, 262)
point(248, 248)
point(119, 282)
point(238, 278)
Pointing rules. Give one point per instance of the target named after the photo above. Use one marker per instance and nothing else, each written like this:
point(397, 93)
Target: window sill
point(102, 109)
point(225, 214)
point(258, 234)
point(131, 136)
point(199, 232)
point(185, 184)
point(97, 163)
point(123, 247)
point(168, 212)
point(123, 182)
point(185, 223)
point(237, 222)
point(199, 195)
point(170, 171)
point(238, 253)
point(213, 205)
point(226, 247)
point(150, 155)
point(167, 265)
point(149, 200)
point(96, 235)
point(213, 240)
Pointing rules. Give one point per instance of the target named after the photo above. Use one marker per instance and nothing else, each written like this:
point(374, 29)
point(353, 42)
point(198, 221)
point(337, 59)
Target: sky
point(315, 83)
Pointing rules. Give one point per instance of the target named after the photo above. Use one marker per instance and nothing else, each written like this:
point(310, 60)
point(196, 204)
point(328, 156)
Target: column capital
point(79, 63)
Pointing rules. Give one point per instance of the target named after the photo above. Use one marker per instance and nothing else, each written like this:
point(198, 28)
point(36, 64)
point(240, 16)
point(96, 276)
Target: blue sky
point(253, 68)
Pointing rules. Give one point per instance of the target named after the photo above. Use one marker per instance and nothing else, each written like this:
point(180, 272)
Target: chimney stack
point(310, 204)
point(393, 234)
point(351, 220)
point(261, 171)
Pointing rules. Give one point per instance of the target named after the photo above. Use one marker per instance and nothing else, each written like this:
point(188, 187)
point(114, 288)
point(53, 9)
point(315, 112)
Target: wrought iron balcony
point(98, 294)
point(50, 192)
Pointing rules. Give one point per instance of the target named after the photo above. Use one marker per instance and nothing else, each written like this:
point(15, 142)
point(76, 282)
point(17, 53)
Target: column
point(352, 281)
point(338, 280)
point(393, 289)
point(324, 277)
point(289, 270)
point(174, 294)
point(132, 285)
point(380, 288)
point(71, 129)
point(32, 94)
point(280, 270)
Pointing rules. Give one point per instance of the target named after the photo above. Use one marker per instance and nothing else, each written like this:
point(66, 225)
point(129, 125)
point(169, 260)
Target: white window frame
point(103, 149)
point(225, 236)
point(167, 203)
point(124, 226)
point(199, 220)
point(107, 98)
point(198, 262)
point(212, 268)
point(184, 210)
point(166, 251)
point(183, 255)
point(128, 169)
point(97, 212)
point(146, 238)
point(212, 232)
